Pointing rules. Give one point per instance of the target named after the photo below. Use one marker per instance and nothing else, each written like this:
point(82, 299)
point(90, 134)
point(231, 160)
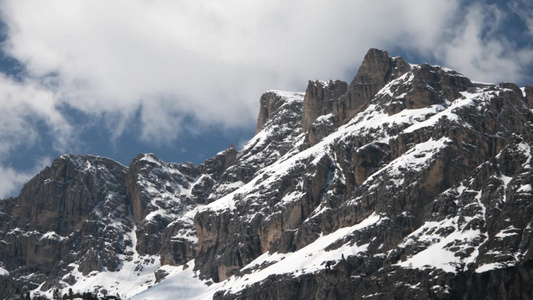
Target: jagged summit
point(345, 101)
point(410, 182)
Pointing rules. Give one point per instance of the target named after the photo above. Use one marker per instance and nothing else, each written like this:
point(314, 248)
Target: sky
point(182, 79)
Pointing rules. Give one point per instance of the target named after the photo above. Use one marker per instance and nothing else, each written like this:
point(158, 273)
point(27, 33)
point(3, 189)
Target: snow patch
point(525, 189)
point(180, 283)
point(52, 235)
point(414, 160)
point(490, 267)
point(309, 259)
point(509, 231)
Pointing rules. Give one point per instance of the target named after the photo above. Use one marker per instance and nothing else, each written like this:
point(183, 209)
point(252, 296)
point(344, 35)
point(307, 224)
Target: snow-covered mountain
point(410, 182)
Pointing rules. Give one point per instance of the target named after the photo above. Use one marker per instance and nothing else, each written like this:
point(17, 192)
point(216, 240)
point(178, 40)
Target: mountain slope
point(412, 181)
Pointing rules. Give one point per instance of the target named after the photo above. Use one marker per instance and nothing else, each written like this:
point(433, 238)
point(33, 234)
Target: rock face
point(268, 104)
point(411, 182)
point(529, 96)
point(87, 215)
point(159, 193)
point(57, 220)
point(319, 98)
point(376, 70)
point(343, 101)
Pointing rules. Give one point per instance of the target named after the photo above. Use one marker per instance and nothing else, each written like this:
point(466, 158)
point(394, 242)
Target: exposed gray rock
point(345, 101)
point(268, 104)
point(321, 127)
point(359, 174)
point(319, 98)
point(57, 220)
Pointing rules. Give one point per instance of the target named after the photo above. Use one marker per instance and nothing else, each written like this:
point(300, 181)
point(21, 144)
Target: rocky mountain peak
point(378, 68)
point(319, 100)
point(410, 182)
point(344, 101)
point(63, 195)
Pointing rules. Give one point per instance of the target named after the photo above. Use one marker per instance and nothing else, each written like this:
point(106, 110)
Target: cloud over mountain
point(165, 64)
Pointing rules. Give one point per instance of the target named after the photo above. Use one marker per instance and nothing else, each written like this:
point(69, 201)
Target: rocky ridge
point(411, 177)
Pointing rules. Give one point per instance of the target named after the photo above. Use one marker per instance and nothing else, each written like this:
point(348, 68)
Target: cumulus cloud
point(179, 66)
point(205, 59)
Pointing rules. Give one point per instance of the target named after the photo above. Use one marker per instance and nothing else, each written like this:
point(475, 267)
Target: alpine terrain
point(410, 182)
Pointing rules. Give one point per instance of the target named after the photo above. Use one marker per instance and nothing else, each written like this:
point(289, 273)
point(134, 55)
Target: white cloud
point(209, 61)
point(11, 181)
point(477, 50)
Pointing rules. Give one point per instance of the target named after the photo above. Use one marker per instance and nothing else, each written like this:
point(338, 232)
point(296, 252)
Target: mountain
point(410, 182)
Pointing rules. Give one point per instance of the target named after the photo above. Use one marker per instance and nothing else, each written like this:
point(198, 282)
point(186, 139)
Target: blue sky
point(183, 79)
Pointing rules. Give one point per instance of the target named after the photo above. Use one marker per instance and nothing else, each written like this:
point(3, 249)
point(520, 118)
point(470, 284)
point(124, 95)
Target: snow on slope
point(181, 283)
point(455, 242)
point(413, 160)
point(184, 283)
point(372, 122)
point(135, 275)
point(171, 200)
point(438, 255)
point(312, 258)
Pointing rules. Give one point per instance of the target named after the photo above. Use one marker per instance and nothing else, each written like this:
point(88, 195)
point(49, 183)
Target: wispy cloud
point(22, 106)
point(479, 50)
point(523, 9)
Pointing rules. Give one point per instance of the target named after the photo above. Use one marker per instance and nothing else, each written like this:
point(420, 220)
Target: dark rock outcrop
point(321, 127)
point(511, 86)
point(377, 69)
point(156, 192)
point(222, 161)
point(529, 96)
